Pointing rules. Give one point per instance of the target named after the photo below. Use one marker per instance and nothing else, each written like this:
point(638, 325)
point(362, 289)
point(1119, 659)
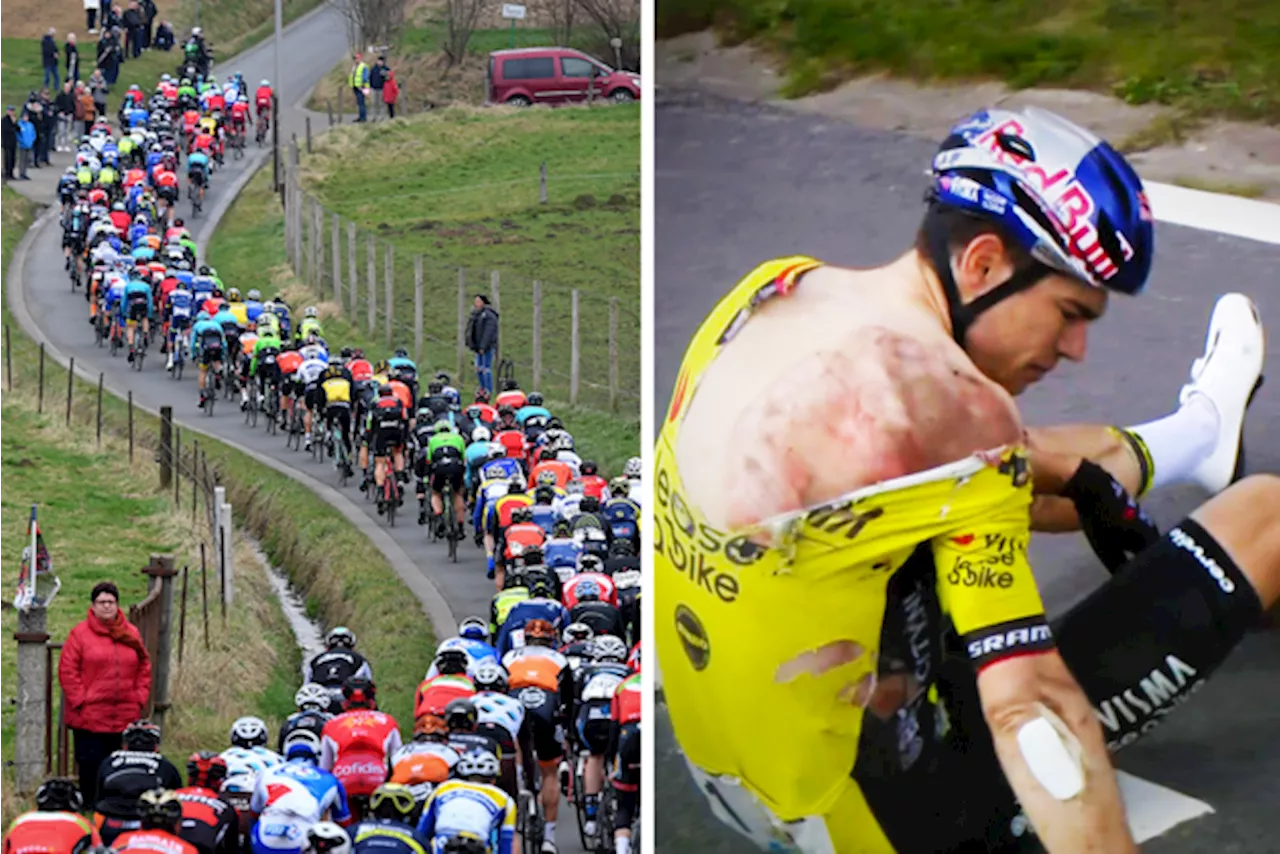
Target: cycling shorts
point(449, 470)
point(211, 354)
point(168, 193)
point(540, 725)
point(314, 396)
point(627, 772)
point(284, 833)
point(339, 414)
point(196, 176)
point(384, 440)
point(592, 725)
point(137, 309)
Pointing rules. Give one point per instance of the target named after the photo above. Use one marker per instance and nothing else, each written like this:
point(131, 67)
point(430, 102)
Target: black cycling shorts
point(314, 396)
point(628, 757)
point(169, 194)
point(386, 439)
point(138, 310)
point(210, 354)
point(339, 414)
point(196, 176)
point(450, 471)
point(592, 724)
point(540, 730)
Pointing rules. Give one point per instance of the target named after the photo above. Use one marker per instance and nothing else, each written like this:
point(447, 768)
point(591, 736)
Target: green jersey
point(264, 342)
point(502, 604)
point(448, 439)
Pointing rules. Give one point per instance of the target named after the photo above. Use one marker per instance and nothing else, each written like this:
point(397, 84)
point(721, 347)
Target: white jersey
point(251, 760)
point(309, 371)
point(572, 460)
point(505, 711)
point(314, 351)
point(637, 492)
point(534, 651)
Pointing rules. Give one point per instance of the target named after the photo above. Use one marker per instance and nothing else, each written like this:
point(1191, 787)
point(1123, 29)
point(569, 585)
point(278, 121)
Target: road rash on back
point(869, 387)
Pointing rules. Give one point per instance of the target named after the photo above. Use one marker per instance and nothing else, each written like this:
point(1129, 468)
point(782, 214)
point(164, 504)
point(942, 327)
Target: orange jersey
point(534, 671)
point(247, 341)
point(402, 393)
point(514, 398)
point(289, 361)
point(423, 762)
point(563, 473)
point(522, 537)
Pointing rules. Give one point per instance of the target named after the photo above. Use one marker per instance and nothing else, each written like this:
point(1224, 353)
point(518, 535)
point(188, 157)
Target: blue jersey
point(561, 553)
point(621, 515)
point(530, 609)
point(137, 231)
point(143, 253)
point(544, 516)
point(226, 319)
point(198, 159)
point(136, 117)
point(460, 806)
point(153, 160)
point(314, 353)
point(115, 294)
point(181, 306)
point(186, 279)
point(503, 468)
point(477, 651)
point(475, 456)
point(397, 362)
point(135, 293)
point(384, 836)
point(206, 334)
point(282, 312)
point(202, 287)
point(525, 412)
point(252, 308)
point(300, 789)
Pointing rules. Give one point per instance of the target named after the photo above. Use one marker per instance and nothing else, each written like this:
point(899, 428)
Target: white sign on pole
point(513, 11)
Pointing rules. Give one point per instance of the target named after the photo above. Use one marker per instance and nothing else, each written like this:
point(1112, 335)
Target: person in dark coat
point(164, 36)
point(109, 57)
point(49, 57)
point(73, 58)
point(9, 141)
point(149, 13)
point(133, 31)
point(482, 339)
point(64, 110)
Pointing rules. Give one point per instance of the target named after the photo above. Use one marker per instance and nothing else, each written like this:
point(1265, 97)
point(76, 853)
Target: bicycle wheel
point(580, 802)
point(390, 492)
point(450, 523)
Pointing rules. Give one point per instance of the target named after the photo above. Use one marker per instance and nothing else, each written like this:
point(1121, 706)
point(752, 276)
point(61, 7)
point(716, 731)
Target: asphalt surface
point(311, 46)
point(737, 184)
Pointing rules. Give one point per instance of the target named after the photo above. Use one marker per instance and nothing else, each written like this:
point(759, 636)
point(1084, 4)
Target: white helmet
point(609, 648)
point(312, 696)
point(478, 763)
point(489, 675)
point(309, 311)
point(249, 732)
point(327, 838)
point(340, 635)
point(302, 743)
point(481, 434)
point(634, 468)
point(196, 31)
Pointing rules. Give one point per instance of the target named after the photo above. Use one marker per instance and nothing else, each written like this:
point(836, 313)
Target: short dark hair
point(484, 299)
point(104, 587)
point(962, 228)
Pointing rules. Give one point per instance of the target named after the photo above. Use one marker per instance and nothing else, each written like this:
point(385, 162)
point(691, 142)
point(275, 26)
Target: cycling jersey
point(594, 585)
point(309, 371)
point(207, 820)
point(289, 799)
point(207, 337)
point(447, 444)
point(956, 534)
point(333, 667)
point(501, 606)
point(337, 390)
point(126, 774)
point(499, 709)
point(152, 842)
point(307, 326)
point(423, 763)
point(266, 351)
point(534, 667)
point(250, 760)
point(475, 650)
point(519, 538)
point(356, 745)
point(311, 721)
point(435, 694)
point(385, 836)
point(49, 833)
point(463, 807)
point(561, 553)
point(595, 486)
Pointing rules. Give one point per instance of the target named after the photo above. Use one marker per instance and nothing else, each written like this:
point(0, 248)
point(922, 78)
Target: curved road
point(851, 196)
point(311, 46)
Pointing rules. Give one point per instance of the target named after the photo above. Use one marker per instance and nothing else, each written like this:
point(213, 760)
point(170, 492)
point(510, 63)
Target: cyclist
point(390, 828)
point(387, 429)
point(262, 100)
point(314, 702)
point(126, 774)
point(445, 454)
point(280, 309)
point(514, 591)
point(499, 716)
point(357, 744)
point(462, 718)
point(621, 514)
point(208, 349)
point(198, 168)
point(55, 826)
point(634, 472)
point(248, 752)
point(338, 663)
point(470, 806)
point(519, 536)
point(1031, 221)
point(335, 401)
point(310, 323)
point(592, 598)
point(136, 308)
point(314, 363)
point(499, 516)
point(231, 328)
point(510, 396)
point(295, 796)
point(425, 761)
point(160, 814)
point(327, 838)
point(208, 822)
point(624, 747)
point(587, 698)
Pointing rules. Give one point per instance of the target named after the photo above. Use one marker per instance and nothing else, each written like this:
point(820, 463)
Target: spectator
point(132, 30)
point(46, 126)
point(377, 76)
point(73, 57)
point(482, 339)
point(86, 109)
point(9, 141)
point(49, 57)
point(110, 57)
point(149, 12)
point(359, 81)
point(105, 673)
point(98, 89)
point(26, 142)
point(111, 17)
point(91, 16)
point(35, 112)
point(65, 109)
point(390, 93)
point(164, 36)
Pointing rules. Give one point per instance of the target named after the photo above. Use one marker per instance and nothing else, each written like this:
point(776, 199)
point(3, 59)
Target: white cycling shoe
point(1228, 374)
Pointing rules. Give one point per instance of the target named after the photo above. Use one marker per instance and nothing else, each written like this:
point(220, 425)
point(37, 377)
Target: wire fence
point(572, 344)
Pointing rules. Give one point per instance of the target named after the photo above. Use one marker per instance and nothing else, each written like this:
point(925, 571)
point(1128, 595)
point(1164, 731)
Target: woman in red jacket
point(105, 673)
point(390, 93)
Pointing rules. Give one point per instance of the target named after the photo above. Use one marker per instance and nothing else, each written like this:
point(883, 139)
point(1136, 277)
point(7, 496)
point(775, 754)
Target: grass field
point(344, 577)
point(247, 248)
point(1207, 58)
point(460, 187)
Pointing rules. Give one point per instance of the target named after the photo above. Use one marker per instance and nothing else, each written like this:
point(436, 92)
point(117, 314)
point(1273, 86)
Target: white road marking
point(1232, 215)
point(1153, 809)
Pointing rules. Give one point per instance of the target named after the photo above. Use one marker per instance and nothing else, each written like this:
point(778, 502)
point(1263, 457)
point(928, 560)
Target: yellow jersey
point(241, 313)
point(741, 627)
point(336, 390)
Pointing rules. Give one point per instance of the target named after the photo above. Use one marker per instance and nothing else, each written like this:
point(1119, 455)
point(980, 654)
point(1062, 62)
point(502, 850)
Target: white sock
point(622, 844)
point(550, 832)
point(1180, 442)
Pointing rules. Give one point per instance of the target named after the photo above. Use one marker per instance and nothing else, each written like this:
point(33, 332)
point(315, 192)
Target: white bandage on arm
point(1053, 754)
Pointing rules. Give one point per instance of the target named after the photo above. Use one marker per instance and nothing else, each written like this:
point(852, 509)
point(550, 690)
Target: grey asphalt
point(311, 46)
point(738, 183)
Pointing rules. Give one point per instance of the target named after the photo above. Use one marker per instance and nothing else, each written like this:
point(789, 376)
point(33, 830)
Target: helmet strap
point(964, 314)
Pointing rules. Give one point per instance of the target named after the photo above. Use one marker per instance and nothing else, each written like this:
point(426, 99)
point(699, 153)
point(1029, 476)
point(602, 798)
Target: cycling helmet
point(633, 469)
point(248, 732)
point(204, 269)
point(474, 628)
point(255, 294)
point(479, 763)
point(1091, 221)
point(268, 307)
point(401, 353)
point(159, 808)
point(546, 477)
point(142, 735)
point(312, 338)
point(233, 294)
point(312, 697)
point(59, 794)
point(514, 577)
point(434, 388)
point(278, 299)
point(545, 493)
point(490, 676)
point(588, 467)
point(481, 434)
point(309, 311)
point(621, 547)
point(494, 451)
point(534, 398)
point(346, 354)
point(609, 648)
point(590, 563)
point(385, 390)
point(393, 801)
point(521, 514)
point(359, 693)
point(451, 662)
point(575, 632)
point(302, 744)
point(561, 528)
point(264, 82)
point(441, 427)
point(532, 557)
point(206, 769)
point(461, 715)
point(327, 838)
point(539, 632)
point(619, 487)
point(340, 636)
point(587, 590)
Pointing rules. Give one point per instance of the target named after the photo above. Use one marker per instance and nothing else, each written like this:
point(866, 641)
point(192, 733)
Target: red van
point(554, 75)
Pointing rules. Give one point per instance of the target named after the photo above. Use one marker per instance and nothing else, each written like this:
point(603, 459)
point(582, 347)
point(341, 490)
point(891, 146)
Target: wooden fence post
point(177, 467)
point(371, 263)
point(573, 354)
point(71, 381)
point(308, 134)
point(166, 446)
point(40, 397)
point(462, 317)
point(496, 296)
point(317, 249)
point(337, 263)
point(417, 309)
point(613, 354)
point(351, 272)
point(388, 298)
point(536, 381)
point(100, 378)
point(182, 612)
point(542, 183)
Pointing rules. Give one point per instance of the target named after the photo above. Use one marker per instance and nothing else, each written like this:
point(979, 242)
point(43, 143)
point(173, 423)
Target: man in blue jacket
point(26, 145)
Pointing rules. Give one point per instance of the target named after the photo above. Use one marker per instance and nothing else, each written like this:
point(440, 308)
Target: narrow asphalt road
point(311, 46)
point(738, 183)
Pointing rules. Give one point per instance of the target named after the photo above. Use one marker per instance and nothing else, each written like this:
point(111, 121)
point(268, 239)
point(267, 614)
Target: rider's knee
point(1244, 521)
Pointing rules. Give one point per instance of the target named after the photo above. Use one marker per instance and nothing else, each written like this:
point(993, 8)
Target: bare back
point(850, 380)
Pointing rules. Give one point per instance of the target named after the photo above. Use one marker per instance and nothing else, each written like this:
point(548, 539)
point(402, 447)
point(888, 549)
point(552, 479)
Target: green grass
point(470, 199)
point(1208, 58)
point(247, 250)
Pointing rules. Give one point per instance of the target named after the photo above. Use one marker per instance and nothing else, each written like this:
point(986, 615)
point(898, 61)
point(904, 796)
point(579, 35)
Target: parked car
point(554, 75)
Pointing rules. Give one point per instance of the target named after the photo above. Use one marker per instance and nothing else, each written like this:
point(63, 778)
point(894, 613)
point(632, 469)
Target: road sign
point(513, 11)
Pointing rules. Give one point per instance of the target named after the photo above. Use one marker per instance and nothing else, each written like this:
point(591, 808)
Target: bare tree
point(558, 16)
point(463, 16)
point(617, 19)
point(372, 22)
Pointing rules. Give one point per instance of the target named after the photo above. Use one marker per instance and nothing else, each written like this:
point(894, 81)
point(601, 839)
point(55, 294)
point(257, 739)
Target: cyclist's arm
point(507, 829)
point(1030, 700)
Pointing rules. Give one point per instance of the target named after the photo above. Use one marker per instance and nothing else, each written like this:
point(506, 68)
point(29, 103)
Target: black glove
point(1116, 526)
